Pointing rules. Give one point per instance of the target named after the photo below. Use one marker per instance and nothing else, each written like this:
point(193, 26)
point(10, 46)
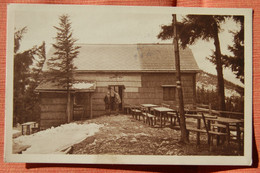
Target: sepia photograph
point(128, 85)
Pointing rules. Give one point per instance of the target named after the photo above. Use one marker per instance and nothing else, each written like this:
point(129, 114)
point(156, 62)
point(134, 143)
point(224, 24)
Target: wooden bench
point(239, 135)
point(227, 130)
point(148, 117)
point(211, 131)
point(196, 129)
point(127, 109)
point(217, 134)
point(175, 116)
point(135, 111)
point(234, 137)
point(206, 128)
point(221, 129)
point(29, 128)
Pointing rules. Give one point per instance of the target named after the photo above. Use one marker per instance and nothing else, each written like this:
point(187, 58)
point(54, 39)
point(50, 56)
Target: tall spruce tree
point(61, 63)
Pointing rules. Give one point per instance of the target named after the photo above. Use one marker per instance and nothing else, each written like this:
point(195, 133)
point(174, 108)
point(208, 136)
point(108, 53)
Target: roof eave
point(64, 91)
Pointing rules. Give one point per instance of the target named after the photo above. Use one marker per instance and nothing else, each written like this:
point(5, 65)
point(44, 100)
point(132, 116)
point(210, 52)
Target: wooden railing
point(227, 114)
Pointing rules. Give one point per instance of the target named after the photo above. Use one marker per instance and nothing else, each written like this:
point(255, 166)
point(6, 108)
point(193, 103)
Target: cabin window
point(169, 92)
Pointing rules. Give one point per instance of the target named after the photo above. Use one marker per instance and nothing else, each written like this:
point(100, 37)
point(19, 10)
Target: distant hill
point(209, 82)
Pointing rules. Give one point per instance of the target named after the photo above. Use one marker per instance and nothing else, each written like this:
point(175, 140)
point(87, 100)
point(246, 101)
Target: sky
point(117, 25)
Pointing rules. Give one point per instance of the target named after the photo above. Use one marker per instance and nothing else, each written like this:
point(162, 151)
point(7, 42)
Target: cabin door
point(81, 106)
point(119, 89)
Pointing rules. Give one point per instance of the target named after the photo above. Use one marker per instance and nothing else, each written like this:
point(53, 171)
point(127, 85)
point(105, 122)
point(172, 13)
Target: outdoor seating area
point(29, 128)
point(220, 128)
point(151, 114)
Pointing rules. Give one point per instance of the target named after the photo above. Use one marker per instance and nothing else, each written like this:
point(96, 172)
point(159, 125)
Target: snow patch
point(82, 85)
point(55, 139)
point(210, 87)
point(230, 93)
point(15, 131)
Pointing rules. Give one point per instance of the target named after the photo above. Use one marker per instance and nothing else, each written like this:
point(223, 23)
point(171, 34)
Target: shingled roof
point(127, 58)
point(131, 57)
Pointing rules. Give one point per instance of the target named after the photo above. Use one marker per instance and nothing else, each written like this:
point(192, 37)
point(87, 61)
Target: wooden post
point(210, 110)
point(68, 106)
point(184, 136)
point(194, 92)
point(90, 99)
point(240, 150)
point(198, 133)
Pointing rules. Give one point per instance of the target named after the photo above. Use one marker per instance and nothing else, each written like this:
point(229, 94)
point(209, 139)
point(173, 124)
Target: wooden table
point(231, 121)
point(149, 106)
point(28, 127)
point(162, 111)
point(198, 116)
point(198, 129)
point(226, 122)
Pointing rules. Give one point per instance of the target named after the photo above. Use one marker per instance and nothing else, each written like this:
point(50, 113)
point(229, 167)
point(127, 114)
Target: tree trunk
point(220, 87)
point(184, 136)
point(68, 106)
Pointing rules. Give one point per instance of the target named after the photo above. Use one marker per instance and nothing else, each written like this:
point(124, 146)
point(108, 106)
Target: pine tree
point(236, 62)
point(26, 78)
point(22, 61)
point(36, 76)
point(205, 27)
point(61, 63)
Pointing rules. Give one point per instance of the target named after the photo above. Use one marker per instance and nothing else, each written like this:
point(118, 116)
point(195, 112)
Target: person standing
point(117, 102)
point(107, 101)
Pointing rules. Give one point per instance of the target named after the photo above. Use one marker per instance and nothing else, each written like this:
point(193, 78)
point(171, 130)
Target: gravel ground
point(125, 135)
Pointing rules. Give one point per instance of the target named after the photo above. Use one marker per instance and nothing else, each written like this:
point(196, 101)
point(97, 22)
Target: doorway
point(81, 106)
point(119, 89)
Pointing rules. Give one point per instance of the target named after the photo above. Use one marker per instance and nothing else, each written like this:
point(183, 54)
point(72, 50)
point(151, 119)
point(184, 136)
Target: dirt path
point(123, 134)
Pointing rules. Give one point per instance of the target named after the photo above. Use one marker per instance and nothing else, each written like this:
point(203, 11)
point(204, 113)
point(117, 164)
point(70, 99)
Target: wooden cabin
point(140, 73)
